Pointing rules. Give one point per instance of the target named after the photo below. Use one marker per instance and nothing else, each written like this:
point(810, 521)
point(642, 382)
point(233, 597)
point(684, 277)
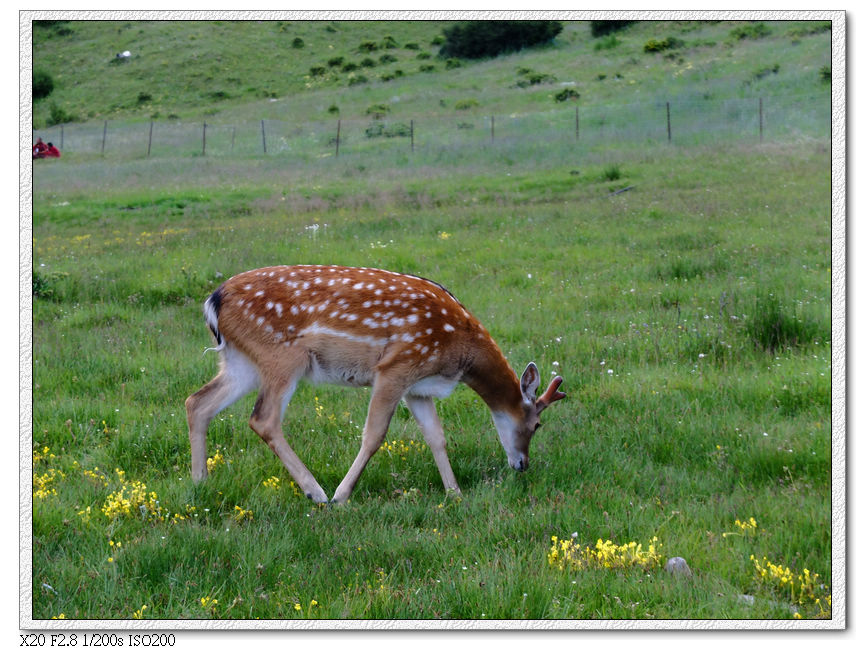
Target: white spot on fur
point(448, 327)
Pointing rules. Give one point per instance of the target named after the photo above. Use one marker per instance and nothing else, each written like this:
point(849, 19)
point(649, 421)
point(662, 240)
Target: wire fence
point(774, 118)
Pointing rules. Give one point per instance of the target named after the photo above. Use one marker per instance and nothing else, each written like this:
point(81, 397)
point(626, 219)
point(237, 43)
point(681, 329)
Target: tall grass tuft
point(777, 324)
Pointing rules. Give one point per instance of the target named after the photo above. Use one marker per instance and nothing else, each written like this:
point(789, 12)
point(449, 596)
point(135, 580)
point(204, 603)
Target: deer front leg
point(266, 422)
point(382, 405)
point(424, 411)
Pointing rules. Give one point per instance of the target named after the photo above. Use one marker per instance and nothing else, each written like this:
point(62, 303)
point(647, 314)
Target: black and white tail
point(211, 316)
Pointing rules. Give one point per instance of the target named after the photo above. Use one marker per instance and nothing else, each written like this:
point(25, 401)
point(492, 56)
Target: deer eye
point(537, 426)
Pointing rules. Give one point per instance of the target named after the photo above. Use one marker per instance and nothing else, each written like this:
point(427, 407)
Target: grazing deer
point(405, 336)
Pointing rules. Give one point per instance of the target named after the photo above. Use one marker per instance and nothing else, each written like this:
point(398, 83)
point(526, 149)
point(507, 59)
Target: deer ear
point(530, 381)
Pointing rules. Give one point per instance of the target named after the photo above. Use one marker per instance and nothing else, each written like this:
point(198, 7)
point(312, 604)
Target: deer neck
point(493, 379)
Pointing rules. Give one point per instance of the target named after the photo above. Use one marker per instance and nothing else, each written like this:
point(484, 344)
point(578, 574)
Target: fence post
point(204, 139)
point(669, 129)
point(104, 132)
point(761, 119)
point(150, 139)
point(263, 139)
point(492, 128)
point(338, 127)
point(411, 129)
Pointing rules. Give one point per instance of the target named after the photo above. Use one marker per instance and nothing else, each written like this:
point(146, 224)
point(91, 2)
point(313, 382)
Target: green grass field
point(689, 316)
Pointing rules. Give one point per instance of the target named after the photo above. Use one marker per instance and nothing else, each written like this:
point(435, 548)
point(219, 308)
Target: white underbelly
point(435, 386)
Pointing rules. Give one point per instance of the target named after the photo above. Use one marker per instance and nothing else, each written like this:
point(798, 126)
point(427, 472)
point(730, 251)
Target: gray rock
point(678, 566)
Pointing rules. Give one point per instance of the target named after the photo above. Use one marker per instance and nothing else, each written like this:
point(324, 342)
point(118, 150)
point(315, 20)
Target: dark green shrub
point(750, 30)
point(534, 79)
point(298, 43)
point(317, 71)
point(368, 46)
point(359, 79)
point(489, 38)
point(390, 76)
point(566, 94)
point(389, 43)
point(368, 63)
point(387, 58)
point(144, 97)
point(59, 115)
point(43, 84)
point(378, 111)
point(51, 28)
point(826, 73)
point(466, 104)
point(422, 56)
point(765, 72)
point(438, 40)
point(333, 109)
point(374, 130)
point(350, 67)
point(450, 64)
point(427, 68)
point(669, 43)
point(411, 46)
point(48, 285)
point(336, 61)
point(604, 27)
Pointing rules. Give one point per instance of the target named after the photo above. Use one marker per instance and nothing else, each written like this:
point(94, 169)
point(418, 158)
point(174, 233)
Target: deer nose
point(521, 464)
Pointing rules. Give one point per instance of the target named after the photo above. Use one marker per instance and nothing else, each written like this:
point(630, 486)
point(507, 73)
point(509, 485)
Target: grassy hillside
point(264, 69)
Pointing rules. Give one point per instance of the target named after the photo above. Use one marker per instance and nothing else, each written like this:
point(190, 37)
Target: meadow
point(688, 314)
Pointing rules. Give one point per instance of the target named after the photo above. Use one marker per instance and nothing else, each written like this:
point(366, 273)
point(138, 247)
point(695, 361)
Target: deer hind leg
point(382, 405)
point(424, 411)
point(236, 378)
point(266, 421)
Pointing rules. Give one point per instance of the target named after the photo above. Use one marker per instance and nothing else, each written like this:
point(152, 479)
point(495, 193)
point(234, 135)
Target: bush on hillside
point(750, 30)
point(378, 111)
point(43, 84)
point(489, 38)
point(59, 115)
point(669, 43)
point(604, 27)
point(566, 94)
